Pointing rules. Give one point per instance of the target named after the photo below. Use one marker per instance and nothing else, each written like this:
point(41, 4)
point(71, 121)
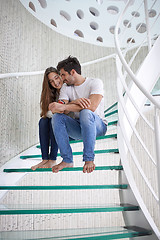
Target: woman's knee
point(43, 122)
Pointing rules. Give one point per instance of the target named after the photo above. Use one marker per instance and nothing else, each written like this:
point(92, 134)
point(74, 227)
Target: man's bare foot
point(49, 164)
point(39, 165)
point(89, 167)
point(60, 166)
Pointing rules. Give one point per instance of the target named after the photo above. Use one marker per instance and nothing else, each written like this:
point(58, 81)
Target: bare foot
point(49, 164)
point(88, 167)
point(60, 166)
point(39, 165)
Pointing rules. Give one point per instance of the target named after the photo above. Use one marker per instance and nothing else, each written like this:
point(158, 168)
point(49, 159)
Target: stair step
point(64, 169)
point(98, 138)
point(65, 187)
point(111, 113)
point(10, 209)
point(74, 153)
point(78, 233)
point(112, 106)
point(112, 123)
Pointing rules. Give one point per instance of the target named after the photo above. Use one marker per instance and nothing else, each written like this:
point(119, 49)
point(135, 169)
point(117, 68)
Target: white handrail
point(131, 74)
point(129, 111)
point(130, 122)
point(122, 79)
point(133, 155)
point(18, 74)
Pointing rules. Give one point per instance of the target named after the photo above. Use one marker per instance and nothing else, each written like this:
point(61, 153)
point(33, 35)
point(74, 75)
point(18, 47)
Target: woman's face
point(55, 80)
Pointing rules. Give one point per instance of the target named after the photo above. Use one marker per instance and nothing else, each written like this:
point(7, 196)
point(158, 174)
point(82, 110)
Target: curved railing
point(138, 127)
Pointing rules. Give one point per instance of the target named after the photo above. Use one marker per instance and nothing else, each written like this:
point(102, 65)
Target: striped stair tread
point(74, 153)
point(98, 138)
point(78, 233)
point(10, 209)
point(64, 169)
point(111, 113)
point(112, 123)
point(64, 187)
point(111, 107)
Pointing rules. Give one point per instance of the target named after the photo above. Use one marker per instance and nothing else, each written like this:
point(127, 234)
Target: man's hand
point(56, 107)
point(82, 102)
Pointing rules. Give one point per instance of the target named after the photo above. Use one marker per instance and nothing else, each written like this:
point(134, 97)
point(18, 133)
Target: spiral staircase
point(73, 205)
point(107, 160)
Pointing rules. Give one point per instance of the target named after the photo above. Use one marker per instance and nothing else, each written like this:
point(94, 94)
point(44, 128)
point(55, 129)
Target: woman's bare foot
point(39, 165)
point(60, 166)
point(89, 167)
point(49, 164)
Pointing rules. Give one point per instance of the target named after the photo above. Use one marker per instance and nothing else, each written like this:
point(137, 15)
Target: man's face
point(66, 77)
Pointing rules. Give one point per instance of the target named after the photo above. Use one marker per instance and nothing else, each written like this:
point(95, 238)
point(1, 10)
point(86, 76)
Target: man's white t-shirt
point(90, 86)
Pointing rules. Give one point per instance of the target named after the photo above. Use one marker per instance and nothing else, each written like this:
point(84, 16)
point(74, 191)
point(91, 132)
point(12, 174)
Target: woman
point(52, 84)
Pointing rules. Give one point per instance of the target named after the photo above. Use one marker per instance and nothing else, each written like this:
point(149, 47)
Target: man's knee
point(56, 118)
point(86, 116)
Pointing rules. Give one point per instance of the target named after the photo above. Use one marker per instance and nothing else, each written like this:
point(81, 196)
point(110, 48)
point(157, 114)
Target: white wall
point(28, 45)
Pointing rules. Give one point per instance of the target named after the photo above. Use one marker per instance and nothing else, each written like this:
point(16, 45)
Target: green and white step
point(16, 209)
point(98, 138)
point(78, 233)
point(65, 187)
point(119, 167)
point(115, 150)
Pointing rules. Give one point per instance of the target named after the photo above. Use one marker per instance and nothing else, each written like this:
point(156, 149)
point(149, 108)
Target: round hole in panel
point(78, 33)
point(113, 10)
point(152, 13)
point(112, 29)
point(94, 25)
point(43, 3)
point(99, 39)
point(80, 14)
point(135, 14)
point(130, 40)
point(99, 1)
point(94, 11)
point(127, 23)
point(65, 15)
point(141, 28)
point(53, 23)
point(31, 5)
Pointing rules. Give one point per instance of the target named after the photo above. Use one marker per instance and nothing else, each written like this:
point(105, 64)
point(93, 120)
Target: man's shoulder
point(94, 81)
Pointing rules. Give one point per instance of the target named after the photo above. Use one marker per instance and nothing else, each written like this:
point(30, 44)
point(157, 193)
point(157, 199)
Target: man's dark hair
point(68, 64)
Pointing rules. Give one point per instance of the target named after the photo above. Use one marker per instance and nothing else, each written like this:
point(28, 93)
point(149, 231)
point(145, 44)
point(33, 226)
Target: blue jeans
point(46, 138)
point(87, 128)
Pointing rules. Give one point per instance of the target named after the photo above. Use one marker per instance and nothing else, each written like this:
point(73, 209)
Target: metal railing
point(137, 156)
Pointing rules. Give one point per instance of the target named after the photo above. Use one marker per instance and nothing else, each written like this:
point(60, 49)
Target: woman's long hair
point(49, 94)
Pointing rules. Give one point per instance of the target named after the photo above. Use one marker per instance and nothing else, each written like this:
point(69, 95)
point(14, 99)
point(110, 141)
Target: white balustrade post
point(147, 25)
point(157, 143)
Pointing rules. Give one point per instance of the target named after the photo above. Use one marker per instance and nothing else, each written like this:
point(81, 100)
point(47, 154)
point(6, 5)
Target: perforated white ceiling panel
point(94, 21)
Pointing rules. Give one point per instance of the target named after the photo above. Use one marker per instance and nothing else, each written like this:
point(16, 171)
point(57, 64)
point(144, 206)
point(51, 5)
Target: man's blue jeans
point(87, 128)
point(47, 138)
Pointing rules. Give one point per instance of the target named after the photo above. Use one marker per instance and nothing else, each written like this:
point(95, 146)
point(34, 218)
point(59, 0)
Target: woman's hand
point(56, 107)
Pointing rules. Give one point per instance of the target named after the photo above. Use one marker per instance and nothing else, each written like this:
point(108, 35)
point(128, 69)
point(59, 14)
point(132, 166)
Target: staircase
point(70, 204)
point(120, 199)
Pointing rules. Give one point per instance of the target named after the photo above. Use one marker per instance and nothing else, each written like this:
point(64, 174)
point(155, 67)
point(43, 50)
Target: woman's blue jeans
point(87, 128)
point(47, 138)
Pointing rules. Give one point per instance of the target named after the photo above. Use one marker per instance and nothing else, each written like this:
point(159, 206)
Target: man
point(83, 97)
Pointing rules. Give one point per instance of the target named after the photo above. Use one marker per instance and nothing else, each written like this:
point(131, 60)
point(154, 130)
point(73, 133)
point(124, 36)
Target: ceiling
point(93, 21)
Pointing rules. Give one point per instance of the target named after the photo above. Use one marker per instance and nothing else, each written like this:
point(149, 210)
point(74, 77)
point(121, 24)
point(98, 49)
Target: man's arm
point(77, 105)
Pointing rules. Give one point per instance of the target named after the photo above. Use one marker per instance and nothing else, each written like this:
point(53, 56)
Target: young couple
point(65, 91)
